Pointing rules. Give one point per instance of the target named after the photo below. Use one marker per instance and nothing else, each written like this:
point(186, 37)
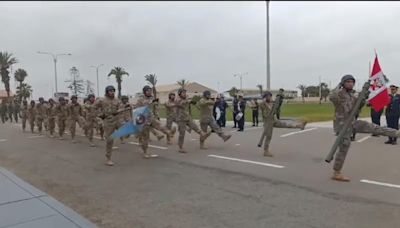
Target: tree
point(89, 87)
point(20, 76)
point(76, 83)
point(260, 87)
point(183, 83)
point(312, 91)
point(302, 88)
point(152, 80)
point(6, 61)
point(324, 91)
point(118, 72)
point(233, 91)
point(24, 91)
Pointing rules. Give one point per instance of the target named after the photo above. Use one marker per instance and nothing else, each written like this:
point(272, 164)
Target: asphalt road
point(229, 185)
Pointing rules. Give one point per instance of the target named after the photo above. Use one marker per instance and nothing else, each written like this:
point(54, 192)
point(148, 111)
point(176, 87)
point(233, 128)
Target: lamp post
point(54, 56)
point(241, 79)
point(97, 76)
point(268, 51)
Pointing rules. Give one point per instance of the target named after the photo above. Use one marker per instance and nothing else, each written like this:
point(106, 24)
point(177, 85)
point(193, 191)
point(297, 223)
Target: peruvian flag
point(379, 96)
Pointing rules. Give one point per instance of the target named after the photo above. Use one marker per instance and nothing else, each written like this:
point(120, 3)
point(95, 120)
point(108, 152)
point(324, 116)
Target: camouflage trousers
point(16, 117)
point(23, 120)
point(32, 123)
point(72, 125)
point(61, 126)
point(10, 116)
point(52, 125)
point(3, 117)
point(90, 125)
point(359, 126)
point(269, 126)
point(182, 129)
point(168, 125)
point(39, 123)
point(210, 122)
point(144, 136)
point(109, 128)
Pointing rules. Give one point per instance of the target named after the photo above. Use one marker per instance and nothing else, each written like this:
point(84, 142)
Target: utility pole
point(55, 64)
point(268, 52)
point(97, 75)
point(241, 79)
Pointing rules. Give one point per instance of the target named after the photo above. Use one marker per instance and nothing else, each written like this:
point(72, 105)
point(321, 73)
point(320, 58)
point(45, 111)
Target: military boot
point(267, 153)
point(303, 125)
point(337, 176)
point(109, 162)
point(202, 146)
point(181, 150)
point(226, 137)
point(147, 155)
point(160, 137)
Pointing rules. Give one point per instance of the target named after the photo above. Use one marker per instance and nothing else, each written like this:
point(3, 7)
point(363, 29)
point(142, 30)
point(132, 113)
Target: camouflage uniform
point(3, 111)
point(184, 119)
point(10, 110)
point(170, 110)
point(207, 119)
point(125, 116)
point(24, 116)
point(90, 112)
point(271, 122)
point(62, 116)
point(75, 116)
point(344, 101)
point(109, 108)
point(17, 110)
point(32, 117)
point(152, 122)
point(156, 115)
point(40, 115)
point(51, 118)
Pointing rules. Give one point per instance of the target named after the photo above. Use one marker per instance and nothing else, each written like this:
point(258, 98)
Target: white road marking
point(153, 146)
point(237, 144)
point(380, 183)
point(115, 147)
point(193, 139)
point(246, 129)
point(363, 139)
point(95, 137)
point(248, 161)
point(35, 136)
point(297, 132)
point(3, 140)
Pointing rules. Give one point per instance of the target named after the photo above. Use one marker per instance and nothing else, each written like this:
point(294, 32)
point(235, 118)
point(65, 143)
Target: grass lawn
point(310, 112)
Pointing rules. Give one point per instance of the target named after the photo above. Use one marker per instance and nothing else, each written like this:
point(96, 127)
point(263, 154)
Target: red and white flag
point(379, 96)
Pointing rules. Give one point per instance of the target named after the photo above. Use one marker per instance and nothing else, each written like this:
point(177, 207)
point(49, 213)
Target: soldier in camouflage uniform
point(184, 119)
point(170, 109)
point(17, 110)
point(62, 116)
point(109, 107)
point(99, 125)
point(75, 116)
point(91, 112)
point(10, 110)
point(271, 122)
point(206, 105)
point(3, 110)
point(147, 100)
point(24, 114)
point(156, 115)
point(40, 114)
point(51, 117)
point(32, 115)
point(46, 118)
point(344, 100)
point(125, 116)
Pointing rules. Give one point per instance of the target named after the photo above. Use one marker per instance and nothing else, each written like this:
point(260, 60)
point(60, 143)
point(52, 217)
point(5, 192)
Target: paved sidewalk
point(24, 206)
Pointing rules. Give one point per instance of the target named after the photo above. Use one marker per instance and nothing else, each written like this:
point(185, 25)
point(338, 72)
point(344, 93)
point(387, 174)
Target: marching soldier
point(32, 115)
point(91, 112)
point(75, 116)
point(207, 120)
point(24, 114)
point(270, 121)
point(125, 116)
point(344, 100)
point(254, 109)
point(100, 125)
point(62, 116)
point(184, 119)
point(170, 109)
point(392, 113)
point(147, 100)
point(51, 117)
point(40, 114)
point(10, 110)
point(3, 110)
point(109, 107)
point(17, 110)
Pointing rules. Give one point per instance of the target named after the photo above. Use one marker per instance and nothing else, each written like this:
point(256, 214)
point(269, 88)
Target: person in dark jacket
point(235, 110)
point(393, 113)
point(222, 105)
point(241, 108)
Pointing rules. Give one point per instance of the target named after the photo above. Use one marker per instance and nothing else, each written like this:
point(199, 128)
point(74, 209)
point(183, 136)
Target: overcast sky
point(206, 42)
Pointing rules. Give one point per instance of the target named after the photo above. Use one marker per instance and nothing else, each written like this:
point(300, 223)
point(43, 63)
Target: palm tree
point(183, 83)
point(303, 91)
point(260, 87)
point(20, 76)
point(6, 61)
point(24, 91)
point(118, 72)
point(233, 92)
point(152, 80)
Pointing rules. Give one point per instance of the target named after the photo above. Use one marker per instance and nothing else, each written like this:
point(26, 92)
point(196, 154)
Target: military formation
point(106, 115)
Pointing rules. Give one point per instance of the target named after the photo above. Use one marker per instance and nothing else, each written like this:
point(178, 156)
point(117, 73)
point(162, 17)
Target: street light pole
point(241, 79)
point(97, 77)
point(268, 51)
point(54, 56)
